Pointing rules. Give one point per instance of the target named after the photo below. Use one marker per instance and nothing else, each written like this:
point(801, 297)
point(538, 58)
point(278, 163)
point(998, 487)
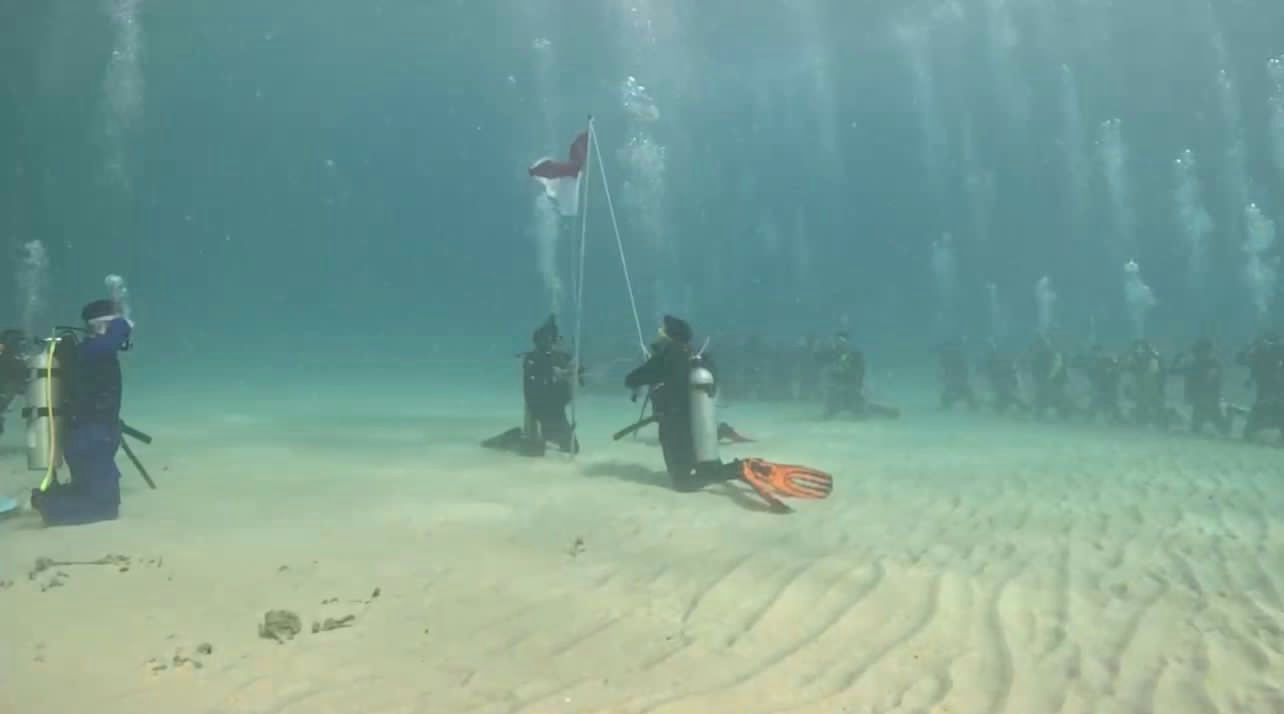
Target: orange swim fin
point(776, 481)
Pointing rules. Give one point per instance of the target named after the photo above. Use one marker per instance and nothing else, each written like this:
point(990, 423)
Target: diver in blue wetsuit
point(93, 428)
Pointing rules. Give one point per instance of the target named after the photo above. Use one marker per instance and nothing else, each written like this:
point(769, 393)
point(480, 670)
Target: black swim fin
point(515, 440)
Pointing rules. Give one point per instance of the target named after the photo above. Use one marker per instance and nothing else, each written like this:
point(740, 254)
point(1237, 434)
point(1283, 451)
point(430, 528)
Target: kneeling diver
point(683, 390)
point(546, 390)
point(93, 430)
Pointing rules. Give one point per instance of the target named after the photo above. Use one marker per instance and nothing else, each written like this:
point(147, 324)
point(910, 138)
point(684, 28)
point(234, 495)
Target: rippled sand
point(963, 565)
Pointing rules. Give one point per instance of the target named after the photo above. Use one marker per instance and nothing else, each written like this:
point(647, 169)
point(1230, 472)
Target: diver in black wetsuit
point(1001, 371)
point(1104, 375)
point(1150, 386)
point(683, 390)
point(846, 389)
point(1202, 376)
point(668, 373)
point(546, 390)
point(1265, 362)
point(93, 428)
point(546, 385)
point(13, 369)
point(1051, 380)
point(956, 378)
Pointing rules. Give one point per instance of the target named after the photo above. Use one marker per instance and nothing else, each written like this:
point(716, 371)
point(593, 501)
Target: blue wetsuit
point(92, 434)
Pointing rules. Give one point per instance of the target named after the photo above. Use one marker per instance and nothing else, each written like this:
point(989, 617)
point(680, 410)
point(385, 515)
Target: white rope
point(570, 272)
point(628, 282)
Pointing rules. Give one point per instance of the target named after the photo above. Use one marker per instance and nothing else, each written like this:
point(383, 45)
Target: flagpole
point(579, 290)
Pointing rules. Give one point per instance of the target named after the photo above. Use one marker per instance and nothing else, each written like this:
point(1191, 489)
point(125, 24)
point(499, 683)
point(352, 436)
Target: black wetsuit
point(1051, 382)
point(1202, 377)
point(546, 387)
point(847, 388)
point(1150, 382)
point(92, 434)
point(1265, 362)
point(668, 373)
point(846, 384)
point(546, 390)
point(1002, 374)
point(1104, 374)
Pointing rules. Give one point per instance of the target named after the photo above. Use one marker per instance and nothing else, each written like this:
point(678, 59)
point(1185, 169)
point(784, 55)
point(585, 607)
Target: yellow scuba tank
point(44, 403)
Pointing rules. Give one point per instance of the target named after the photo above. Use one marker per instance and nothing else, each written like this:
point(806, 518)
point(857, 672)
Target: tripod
point(127, 430)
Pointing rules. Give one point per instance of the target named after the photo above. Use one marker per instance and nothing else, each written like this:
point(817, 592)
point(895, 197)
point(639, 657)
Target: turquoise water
point(333, 250)
point(332, 180)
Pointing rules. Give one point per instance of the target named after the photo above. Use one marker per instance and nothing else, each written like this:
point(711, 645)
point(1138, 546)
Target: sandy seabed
point(964, 564)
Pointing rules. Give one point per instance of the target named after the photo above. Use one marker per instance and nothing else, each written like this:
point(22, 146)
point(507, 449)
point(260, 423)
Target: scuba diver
point(1202, 382)
point(13, 369)
point(1104, 375)
point(546, 391)
point(1005, 380)
point(1150, 386)
point(846, 390)
point(956, 381)
point(1265, 361)
point(682, 393)
point(93, 427)
point(1051, 380)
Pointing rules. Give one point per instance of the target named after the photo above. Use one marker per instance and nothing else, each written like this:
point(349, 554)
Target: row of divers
point(1043, 381)
point(1126, 388)
point(1131, 387)
point(72, 388)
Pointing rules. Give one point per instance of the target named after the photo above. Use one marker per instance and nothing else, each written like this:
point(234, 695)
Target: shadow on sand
point(635, 473)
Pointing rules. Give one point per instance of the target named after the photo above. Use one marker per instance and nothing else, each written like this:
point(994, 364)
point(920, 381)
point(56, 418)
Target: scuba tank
point(45, 401)
point(704, 415)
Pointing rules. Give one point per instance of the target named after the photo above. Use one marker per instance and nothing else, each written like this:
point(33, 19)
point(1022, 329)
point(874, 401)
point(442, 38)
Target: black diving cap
point(677, 329)
point(546, 334)
point(99, 309)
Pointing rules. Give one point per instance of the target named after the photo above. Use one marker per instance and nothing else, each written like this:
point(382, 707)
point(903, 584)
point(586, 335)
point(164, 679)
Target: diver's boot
point(727, 433)
point(569, 445)
point(532, 446)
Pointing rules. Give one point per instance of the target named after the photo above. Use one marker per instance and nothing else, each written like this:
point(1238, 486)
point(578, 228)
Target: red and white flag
point(561, 179)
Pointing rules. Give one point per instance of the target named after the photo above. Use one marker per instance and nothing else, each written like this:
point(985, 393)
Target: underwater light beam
point(1072, 143)
point(1139, 297)
point(33, 284)
point(1045, 299)
point(123, 84)
point(1275, 67)
point(1193, 221)
point(1114, 163)
point(1261, 268)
